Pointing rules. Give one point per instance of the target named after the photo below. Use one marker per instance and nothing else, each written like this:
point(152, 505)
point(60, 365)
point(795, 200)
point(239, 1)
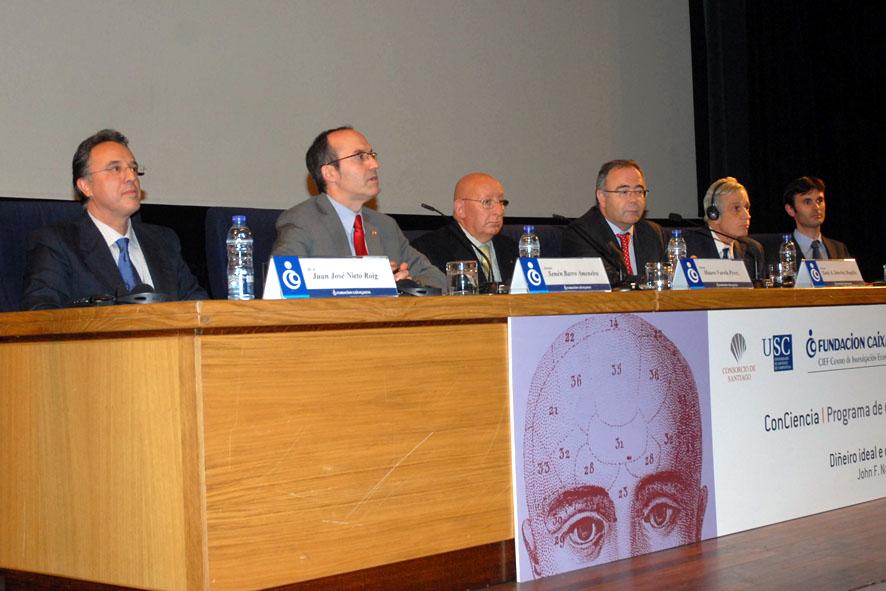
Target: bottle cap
point(676, 233)
point(528, 229)
point(239, 219)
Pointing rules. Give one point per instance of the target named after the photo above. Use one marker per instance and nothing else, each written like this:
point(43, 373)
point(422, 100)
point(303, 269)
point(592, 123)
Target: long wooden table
point(244, 445)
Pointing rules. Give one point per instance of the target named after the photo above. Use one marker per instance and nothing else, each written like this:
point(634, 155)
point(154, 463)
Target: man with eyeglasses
point(337, 223)
point(614, 229)
point(478, 208)
point(104, 253)
point(804, 202)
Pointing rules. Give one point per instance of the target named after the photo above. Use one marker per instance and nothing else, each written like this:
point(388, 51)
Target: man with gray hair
point(727, 210)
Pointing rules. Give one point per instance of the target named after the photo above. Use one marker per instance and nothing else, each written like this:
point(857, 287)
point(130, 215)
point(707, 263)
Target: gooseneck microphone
point(465, 242)
point(608, 251)
point(702, 228)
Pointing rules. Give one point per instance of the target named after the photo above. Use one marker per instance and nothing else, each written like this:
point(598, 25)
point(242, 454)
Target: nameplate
point(533, 275)
point(828, 273)
point(294, 277)
point(707, 273)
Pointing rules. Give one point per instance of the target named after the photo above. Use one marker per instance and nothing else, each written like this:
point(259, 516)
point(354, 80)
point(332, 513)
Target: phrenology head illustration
point(612, 450)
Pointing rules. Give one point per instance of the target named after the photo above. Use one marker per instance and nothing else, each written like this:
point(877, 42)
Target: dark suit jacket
point(313, 229)
point(700, 243)
point(835, 248)
point(649, 243)
point(450, 243)
point(70, 261)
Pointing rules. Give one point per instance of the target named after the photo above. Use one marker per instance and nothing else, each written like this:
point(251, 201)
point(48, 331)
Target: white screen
point(221, 98)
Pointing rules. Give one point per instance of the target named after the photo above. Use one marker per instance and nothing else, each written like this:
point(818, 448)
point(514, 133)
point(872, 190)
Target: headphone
point(713, 212)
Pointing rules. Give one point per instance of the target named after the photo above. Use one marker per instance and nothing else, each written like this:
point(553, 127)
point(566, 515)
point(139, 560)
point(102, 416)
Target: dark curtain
point(790, 88)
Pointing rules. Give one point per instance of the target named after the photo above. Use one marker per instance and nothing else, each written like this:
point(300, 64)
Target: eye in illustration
point(661, 514)
point(584, 532)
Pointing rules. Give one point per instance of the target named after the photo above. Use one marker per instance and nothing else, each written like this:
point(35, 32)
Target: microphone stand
point(609, 252)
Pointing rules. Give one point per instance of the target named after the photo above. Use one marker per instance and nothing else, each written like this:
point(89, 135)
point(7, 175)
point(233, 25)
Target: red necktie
point(625, 240)
point(359, 238)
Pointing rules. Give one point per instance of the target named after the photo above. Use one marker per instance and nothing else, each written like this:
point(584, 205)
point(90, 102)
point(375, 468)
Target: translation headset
point(713, 212)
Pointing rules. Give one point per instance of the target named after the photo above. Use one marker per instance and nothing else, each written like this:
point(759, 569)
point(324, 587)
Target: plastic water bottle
point(676, 248)
point(240, 272)
point(529, 245)
point(787, 256)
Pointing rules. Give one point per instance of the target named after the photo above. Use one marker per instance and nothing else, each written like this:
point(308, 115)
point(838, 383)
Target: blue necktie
point(124, 263)
point(725, 252)
point(816, 250)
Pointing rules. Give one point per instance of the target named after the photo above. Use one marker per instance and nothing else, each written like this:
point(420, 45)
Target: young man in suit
point(336, 224)
point(804, 201)
point(478, 208)
point(103, 252)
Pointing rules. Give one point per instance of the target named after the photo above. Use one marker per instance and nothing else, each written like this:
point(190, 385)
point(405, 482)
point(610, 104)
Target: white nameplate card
point(828, 273)
point(533, 275)
point(705, 273)
point(294, 277)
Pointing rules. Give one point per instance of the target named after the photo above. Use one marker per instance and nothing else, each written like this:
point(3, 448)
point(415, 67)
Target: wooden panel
point(104, 320)
point(340, 450)
point(91, 445)
point(223, 315)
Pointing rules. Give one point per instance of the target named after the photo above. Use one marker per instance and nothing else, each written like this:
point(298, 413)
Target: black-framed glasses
point(363, 156)
point(629, 192)
point(119, 170)
point(488, 203)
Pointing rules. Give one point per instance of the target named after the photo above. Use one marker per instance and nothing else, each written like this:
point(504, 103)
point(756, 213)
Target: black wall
point(789, 88)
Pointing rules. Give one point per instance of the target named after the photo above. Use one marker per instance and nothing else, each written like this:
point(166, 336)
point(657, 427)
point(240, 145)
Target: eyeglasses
point(488, 203)
point(119, 170)
point(629, 192)
point(363, 156)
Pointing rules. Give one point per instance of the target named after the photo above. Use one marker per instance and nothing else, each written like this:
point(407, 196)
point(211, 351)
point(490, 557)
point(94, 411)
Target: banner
point(634, 433)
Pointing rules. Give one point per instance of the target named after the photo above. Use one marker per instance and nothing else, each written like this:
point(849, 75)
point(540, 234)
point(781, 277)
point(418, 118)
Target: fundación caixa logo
point(781, 348)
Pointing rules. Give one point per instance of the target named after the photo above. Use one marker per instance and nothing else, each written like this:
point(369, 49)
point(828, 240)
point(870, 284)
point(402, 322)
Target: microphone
point(489, 285)
point(608, 251)
point(702, 228)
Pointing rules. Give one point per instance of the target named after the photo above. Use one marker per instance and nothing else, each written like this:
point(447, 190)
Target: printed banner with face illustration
point(634, 433)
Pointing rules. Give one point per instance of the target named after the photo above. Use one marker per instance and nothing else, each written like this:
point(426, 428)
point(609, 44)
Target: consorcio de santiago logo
point(741, 372)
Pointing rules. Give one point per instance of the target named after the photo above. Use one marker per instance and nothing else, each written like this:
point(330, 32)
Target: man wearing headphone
point(728, 217)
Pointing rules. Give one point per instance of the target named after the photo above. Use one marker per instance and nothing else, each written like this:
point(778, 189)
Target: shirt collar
point(616, 230)
point(110, 235)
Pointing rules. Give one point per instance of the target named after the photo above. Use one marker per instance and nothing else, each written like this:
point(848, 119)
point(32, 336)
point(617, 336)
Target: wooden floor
point(843, 549)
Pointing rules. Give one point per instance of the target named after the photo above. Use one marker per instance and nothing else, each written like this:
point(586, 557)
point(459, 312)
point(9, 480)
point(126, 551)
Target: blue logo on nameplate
point(535, 283)
point(814, 273)
point(292, 280)
point(693, 277)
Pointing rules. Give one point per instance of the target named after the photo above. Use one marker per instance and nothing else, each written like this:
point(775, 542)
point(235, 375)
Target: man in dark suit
point(103, 252)
point(614, 229)
point(728, 218)
point(804, 201)
point(478, 208)
point(336, 224)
